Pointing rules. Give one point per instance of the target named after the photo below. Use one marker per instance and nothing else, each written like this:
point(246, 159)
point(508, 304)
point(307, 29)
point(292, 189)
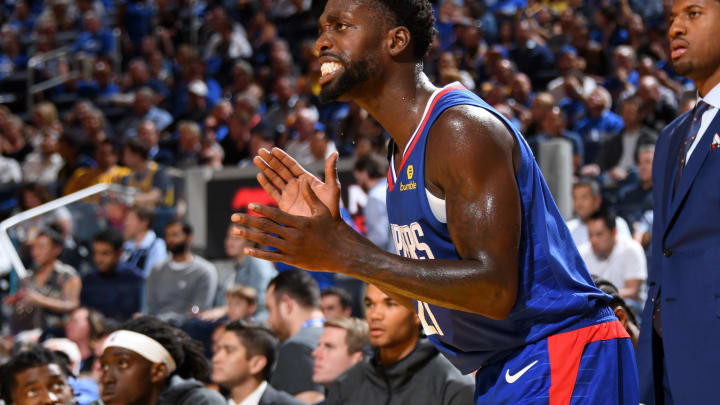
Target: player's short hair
point(187, 229)
point(35, 356)
point(357, 336)
point(343, 296)
point(258, 341)
point(415, 15)
point(298, 285)
point(242, 291)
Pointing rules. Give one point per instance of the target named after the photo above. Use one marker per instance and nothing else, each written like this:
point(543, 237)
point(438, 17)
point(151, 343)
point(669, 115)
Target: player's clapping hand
point(318, 241)
point(280, 175)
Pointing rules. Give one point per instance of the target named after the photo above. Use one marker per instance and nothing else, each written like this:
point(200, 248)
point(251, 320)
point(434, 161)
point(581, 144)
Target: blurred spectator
point(541, 105)
point(622, 311)
point(658, 104)
point(10, 171)
point(587, 199)
point(617, 154)
point(572, 83)
point(309, 145)
point(94, 40)
point(260, 137)
point(12, 59)
point(553, 125)
point(51, 291)
point(243, 365)
point(102, 87)
point(153, 186)
point(43, 165)
point(293, 303)
point(618, 260)
point(35, 375)
point(335, 302)
point(370, 174)
point(240, 269)
point(531, 54)
point(13, 143)
point(33, 195)
point(228, 40)
point(139, 76)
point(283, 99)
point(112, 287)
point(197, 108)
point(147, 133)
point(599, 124)
point(144, 109)
point(149, 360)
point(241, 303)
point(236, 143)
point(395, 334)
point(635, 200)
point(142, 248)
point(84, 328)
point(106, 171)
point(69, 148)
point(189, 145)
point(341, 346)
point(67, 348)
point(185, 284)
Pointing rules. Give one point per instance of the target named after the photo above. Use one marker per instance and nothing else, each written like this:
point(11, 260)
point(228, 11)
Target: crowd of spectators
point(156, 87)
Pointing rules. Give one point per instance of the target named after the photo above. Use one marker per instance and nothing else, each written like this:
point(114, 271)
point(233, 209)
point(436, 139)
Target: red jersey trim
point(418, 133)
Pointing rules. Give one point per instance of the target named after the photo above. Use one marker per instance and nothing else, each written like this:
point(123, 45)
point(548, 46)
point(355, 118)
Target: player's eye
point(340, 27)
point(32, 393)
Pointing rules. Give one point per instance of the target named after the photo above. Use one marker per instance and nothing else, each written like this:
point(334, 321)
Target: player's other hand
point(281, 175)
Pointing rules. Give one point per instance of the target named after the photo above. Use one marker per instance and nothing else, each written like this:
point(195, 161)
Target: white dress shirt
point(254, 397)
point(713, 99)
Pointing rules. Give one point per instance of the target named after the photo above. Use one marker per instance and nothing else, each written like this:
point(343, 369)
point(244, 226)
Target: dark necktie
point(690, 136)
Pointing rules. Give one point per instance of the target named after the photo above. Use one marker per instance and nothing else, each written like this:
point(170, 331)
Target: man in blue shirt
point(113, 287)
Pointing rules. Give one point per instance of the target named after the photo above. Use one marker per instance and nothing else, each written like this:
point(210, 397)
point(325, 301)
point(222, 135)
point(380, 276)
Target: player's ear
point(622, 316)
point(398, 40)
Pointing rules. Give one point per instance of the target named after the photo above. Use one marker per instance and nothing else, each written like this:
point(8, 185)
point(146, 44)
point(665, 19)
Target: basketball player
point(484, 256)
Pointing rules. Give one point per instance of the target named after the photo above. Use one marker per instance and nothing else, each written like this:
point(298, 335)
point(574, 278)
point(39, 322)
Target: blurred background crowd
point(135, 92)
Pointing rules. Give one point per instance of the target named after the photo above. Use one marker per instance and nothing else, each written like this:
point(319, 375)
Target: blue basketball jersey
point(555, 292)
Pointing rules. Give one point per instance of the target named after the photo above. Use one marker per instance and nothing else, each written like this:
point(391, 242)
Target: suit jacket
point(271, 396)
point(685, 272)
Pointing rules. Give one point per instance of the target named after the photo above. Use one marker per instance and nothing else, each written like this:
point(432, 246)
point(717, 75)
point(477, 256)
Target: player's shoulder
point(469, 128)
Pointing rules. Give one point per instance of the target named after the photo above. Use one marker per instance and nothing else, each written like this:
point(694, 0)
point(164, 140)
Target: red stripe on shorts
point(565, 351)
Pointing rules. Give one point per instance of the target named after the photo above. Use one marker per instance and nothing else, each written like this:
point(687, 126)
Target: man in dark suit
point(242, 363)
point(678, 352)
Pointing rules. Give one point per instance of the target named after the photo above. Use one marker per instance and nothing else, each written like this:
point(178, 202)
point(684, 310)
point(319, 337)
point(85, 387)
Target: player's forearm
point(440, 282)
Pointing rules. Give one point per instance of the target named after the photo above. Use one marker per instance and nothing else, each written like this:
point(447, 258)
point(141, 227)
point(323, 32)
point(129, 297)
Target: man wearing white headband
point(148, 362)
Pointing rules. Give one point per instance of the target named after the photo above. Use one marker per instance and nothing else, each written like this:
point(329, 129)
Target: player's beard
point(684, 68)
point(354, 73)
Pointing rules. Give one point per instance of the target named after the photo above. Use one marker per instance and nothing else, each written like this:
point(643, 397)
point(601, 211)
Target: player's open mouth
point(328, 71)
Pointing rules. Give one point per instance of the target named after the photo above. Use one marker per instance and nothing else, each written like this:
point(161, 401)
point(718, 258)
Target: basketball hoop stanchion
point(6, 245)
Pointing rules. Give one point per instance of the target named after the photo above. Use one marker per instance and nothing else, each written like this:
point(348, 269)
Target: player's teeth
point(329, 68)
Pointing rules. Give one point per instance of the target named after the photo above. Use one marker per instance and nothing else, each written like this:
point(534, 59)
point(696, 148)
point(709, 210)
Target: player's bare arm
point(479, 186)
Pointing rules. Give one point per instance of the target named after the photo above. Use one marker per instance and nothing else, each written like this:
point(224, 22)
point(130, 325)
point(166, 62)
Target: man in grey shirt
point(293, 303)
point(183, 285)
point(240, 269)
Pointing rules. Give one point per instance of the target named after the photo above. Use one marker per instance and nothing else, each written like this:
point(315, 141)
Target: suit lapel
point(670, 162)
point(693, 166)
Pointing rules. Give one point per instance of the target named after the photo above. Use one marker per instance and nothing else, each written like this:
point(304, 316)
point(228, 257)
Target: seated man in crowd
point(183, 285)
point(143, 248)
point(148, 362)
point(587, 198)
point(340, 347)
point(113, 287)
point(36, 376)
point(240, 269)
point(293, 303)
point(52, 291)
point(618, 260)
point(400, 353)
point(243, 364)
point(335, 302)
